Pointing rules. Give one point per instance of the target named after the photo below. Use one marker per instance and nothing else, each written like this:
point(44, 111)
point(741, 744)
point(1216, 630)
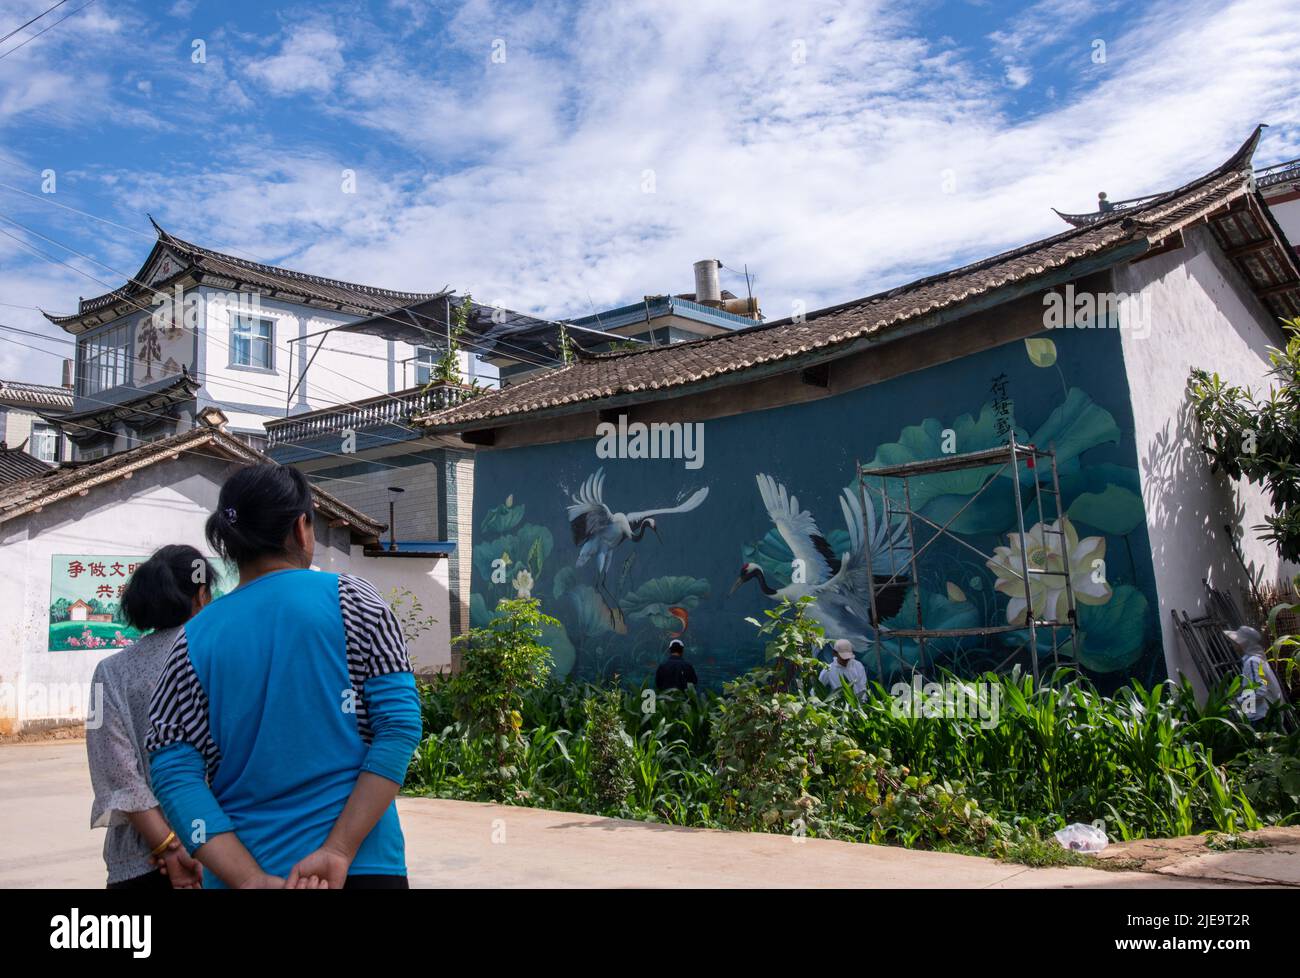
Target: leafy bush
point(612, 756)
point(787, 761)
point(1270, 775)
point(774, 752)
point(1258, 438)
point(502, 660)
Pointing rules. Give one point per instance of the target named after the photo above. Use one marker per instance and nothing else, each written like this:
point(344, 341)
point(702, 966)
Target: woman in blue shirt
point(286, 713)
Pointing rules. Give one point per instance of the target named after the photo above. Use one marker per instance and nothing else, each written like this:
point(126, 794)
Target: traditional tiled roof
point(16, 464)
point(268, 279)
point(144, 408)
point(823, 335)
point(33, 494)
point(20, 394)
point(1269, 180)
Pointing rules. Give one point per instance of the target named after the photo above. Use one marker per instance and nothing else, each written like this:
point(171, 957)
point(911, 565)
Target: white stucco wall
point(1288, 216)
point(348, 367)
point(165, 503)
point(424, 577)
point(1201, 315)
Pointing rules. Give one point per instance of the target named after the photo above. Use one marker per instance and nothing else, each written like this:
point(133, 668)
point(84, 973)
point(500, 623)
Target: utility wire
point(499, 347)
point(43, 30)
point(498, 343)
point(351, 458)
point(32, 21)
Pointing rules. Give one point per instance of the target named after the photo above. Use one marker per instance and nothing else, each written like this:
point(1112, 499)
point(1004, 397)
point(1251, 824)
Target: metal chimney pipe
point(707, 289)
point(68, 374)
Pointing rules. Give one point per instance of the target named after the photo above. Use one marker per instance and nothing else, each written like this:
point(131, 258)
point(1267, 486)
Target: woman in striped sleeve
point(286, 713)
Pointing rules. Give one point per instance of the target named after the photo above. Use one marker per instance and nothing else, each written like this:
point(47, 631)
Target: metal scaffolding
point(1012, 455)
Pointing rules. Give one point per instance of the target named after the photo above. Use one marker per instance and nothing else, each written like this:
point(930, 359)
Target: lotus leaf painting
point(629, 554)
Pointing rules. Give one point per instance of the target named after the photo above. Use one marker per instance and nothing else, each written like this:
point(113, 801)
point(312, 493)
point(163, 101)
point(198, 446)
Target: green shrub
point(612, 755)
point(771, 754)
point(501, 661)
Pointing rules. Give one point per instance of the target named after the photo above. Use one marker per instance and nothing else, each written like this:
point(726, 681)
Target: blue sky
point(558, 156)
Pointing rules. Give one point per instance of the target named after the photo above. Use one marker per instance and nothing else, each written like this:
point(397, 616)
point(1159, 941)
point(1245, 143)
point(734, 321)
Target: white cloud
point(524, 181)
point(309, 60)
point(1018, 76)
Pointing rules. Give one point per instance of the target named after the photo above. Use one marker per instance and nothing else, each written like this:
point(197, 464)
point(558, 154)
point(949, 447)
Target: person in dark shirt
point(675, 672)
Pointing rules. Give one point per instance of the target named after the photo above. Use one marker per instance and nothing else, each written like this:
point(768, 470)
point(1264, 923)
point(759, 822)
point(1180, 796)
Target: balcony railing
point(397, 408)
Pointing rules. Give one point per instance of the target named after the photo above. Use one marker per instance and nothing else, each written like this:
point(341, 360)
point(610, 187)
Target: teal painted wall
point(698, 576)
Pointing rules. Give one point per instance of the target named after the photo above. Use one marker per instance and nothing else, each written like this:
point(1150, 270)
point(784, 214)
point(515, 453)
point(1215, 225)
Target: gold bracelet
point(158, 849)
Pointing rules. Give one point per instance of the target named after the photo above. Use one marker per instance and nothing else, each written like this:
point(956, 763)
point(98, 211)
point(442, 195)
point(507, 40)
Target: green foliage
point(1270, 775)
point(501, 661)
point(446, 369)
point(566, 346)
point(410, 613)
point(1258, 437)
point(612, 756)
point(787, 761)
point(774, 752)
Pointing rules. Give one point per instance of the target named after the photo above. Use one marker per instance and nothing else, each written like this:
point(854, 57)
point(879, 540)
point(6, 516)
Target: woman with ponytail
point(140, 849)
point(287, 713)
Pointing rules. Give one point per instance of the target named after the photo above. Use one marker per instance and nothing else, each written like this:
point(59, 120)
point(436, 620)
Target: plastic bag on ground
point(1082, 838)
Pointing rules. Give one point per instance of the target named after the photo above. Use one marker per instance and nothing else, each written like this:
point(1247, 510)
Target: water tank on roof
point(707, 289)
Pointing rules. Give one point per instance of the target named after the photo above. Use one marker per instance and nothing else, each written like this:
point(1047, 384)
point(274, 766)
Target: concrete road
point(45, 841)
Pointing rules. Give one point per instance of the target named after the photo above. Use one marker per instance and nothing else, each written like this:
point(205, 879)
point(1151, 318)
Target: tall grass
point(1150, 762)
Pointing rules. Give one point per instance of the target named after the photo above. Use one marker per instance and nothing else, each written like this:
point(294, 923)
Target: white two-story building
point(197, 329)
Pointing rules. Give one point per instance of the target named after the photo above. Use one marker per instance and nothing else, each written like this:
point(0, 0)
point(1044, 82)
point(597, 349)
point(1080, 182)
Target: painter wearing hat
point(675, 672)
point(845, 668)
point(1259, 684)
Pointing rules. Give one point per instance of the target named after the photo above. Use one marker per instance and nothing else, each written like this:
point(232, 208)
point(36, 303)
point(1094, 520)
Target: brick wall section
point(417, 507)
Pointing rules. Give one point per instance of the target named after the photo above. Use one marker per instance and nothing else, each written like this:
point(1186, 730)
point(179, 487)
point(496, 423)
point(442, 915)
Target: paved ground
point(45, 841)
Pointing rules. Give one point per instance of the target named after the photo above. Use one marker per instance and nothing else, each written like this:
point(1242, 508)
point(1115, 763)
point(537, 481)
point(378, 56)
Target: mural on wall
point(86, 599)
point(163, 343)
point(598, 532)
point(86, 602)
point(623, 583)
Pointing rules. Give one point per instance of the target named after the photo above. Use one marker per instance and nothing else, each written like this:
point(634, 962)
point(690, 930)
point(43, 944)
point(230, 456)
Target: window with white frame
point(425, 359)
point(252, 342)
point(44, 443)
point(105, 360)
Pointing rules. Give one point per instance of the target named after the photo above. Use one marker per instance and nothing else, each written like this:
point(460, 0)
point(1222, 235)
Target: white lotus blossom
point(523, 584)
point(1042, 549)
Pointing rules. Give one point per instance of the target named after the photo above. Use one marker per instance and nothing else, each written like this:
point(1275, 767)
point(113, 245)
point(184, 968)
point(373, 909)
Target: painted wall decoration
point(164, 342)
point(86, 599)
point(85, 602)
point(629, 553)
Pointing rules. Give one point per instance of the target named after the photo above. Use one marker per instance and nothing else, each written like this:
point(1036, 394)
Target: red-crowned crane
point(840, 588)
point(597, 531)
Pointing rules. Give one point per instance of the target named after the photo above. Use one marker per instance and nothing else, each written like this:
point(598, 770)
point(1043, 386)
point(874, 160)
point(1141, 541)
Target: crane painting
point(598, 531)
point(839, 585)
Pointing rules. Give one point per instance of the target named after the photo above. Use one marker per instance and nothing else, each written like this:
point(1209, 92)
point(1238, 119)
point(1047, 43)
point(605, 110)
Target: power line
point(43, 30)
point(547, 361)
point(143, 308)
point(131, 279)
point(39, 336)
point(32, 21)
point(351, 458)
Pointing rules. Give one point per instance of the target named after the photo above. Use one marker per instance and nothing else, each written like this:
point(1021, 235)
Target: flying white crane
point(840, 588)
point(597, 531)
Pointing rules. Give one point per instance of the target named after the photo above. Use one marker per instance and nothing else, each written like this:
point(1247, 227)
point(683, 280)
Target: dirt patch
point(1268, 856)
point(41, 735)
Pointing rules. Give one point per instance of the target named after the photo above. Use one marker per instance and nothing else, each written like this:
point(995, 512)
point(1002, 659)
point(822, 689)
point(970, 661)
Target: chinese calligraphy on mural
point(86, 602)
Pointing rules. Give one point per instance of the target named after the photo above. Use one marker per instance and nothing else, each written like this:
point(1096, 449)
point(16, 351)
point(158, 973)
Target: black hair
point(160, 593)
point(256, 511)
point(676, 645)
